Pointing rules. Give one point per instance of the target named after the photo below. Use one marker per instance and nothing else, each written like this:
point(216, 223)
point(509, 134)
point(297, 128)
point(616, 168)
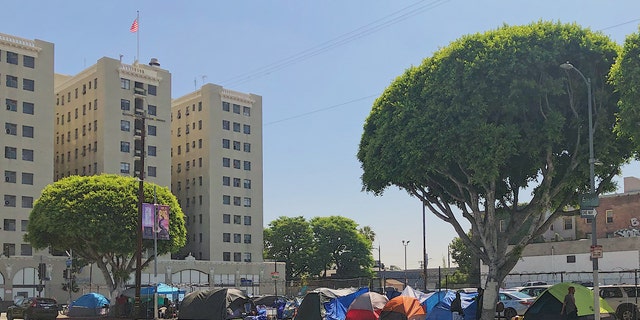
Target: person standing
point(569, 310)
point(456, 308)
point(479, 299)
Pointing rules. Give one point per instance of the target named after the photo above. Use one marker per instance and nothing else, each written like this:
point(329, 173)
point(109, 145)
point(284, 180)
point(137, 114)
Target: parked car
point(535, 291)
point(623, 298)
point(515, 303)
point(534, 283)
point(33, 308)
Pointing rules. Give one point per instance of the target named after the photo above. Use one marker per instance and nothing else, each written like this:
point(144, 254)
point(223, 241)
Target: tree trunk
point(490, 299)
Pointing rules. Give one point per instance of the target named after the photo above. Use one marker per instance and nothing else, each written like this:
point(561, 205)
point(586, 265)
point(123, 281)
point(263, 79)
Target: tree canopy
point(492, 118)
point(97, 217)
point(310, 248)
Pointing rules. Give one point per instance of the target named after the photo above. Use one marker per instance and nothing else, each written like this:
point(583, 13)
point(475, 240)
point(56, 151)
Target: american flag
point(134, 26)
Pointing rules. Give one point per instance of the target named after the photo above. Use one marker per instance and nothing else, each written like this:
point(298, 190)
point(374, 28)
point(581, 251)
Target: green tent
point(548, 305)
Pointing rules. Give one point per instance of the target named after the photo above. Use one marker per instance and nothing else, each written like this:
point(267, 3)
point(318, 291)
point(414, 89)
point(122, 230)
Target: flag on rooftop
point(134, 26)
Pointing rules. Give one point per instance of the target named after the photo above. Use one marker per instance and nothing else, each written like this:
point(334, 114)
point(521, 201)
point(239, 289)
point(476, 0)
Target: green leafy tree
point(625, 75)
point(340, 245)
point(468, 270)
point(490, 118)
point(290, 239)
point(97, 218)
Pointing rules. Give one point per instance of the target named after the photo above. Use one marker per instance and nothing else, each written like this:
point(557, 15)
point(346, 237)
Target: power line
point(320, 110)
point(346, 38)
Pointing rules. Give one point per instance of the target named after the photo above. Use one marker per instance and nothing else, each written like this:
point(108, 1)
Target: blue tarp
point(162, 289)
point(90, 300)
point(442, 309)
point(337, 308)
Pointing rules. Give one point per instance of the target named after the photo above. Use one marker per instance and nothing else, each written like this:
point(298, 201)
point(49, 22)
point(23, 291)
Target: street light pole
point(379, 267)
point(405, 244)
point(592, 191)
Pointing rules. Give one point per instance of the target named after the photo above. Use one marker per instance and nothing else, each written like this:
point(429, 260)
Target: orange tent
point(403, 308)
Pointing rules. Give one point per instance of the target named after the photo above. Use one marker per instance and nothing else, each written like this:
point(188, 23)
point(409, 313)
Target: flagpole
point(138, 37)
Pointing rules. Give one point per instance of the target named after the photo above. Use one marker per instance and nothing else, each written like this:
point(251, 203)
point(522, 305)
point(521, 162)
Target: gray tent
point(215, 304)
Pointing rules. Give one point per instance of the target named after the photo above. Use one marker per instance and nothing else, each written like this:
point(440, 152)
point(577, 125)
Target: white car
point(515, 303)
point(623, 299)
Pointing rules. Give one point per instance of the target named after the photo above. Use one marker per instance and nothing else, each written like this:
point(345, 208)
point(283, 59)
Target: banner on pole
point(163, 222)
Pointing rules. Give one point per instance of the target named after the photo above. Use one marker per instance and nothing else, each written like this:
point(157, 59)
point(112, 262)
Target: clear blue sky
point(318, 65)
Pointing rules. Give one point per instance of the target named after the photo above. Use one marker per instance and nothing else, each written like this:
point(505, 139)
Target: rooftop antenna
point(121, 58)
point(195, 84)
point(204, 79)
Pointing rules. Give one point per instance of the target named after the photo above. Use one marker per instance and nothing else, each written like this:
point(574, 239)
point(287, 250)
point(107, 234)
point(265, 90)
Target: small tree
point(97, 218)
point(290, 239)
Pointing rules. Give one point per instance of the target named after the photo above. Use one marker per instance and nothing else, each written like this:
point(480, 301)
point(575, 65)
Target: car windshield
point(45, 301)
point(519, 295)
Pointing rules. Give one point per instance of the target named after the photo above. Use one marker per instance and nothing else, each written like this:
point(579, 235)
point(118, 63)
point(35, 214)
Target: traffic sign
point(589, 200)
point(275, 275)
point(588, 213)
point(596, 252)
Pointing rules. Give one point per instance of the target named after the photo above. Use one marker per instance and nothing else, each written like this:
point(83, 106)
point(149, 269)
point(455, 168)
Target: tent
point(549, 303)
point(366, 306)
point(150, 290)
point(88, 305)
point(214, 304)
point(327, 304)
point(403, 308)
point(441, 310)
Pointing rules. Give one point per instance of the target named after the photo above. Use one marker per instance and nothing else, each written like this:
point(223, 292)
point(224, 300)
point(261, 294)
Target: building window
point(27, 131)
point(9, 200)
point(246, 111)
point(12, 105)
point(28, 108)
point(226, 200)
point(246, 129)
point(226, 256)
point(28, 84)
point(226, 237)
point(124, 146)
point(226, 143)
point(236, 127)
point(247, 220)
point(9, 224)
point(124, 167)
point(247, 183)
point(151, 130)
point(568, 223)
point(27, 154)
point(125, 125)
point(151, 171)
point(12, 82)
point(226, 162)
point(226, 125)
point(236, 109)
point(10, 152)
point(27, 202)
point(236, 182)
point(226, 218)
point(609, 214)
point(125, 104)
point(237, 238)
point(151, 151)
point(153, 110)
point(27, 178)
point(25, 250)
point(10, 176)
point(23, 225)
point(571, 259)
point(246, 147)
point(226, 181)
point(247, 202)
point(236, 164)
point(11, 128)
point(29, 61)
point(236, 201)
point(237, 257)
point(125, 83)
point(236, 145)
point(236, 219)
point(247, 238)
point(9, 249)
point(247, 165)
point(152, 90)
point(12, 57)
point(225, 106)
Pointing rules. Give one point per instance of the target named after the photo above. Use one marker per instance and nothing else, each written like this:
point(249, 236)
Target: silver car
point(515, 303)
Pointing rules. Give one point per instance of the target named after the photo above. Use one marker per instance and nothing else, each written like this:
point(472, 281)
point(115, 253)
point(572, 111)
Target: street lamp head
point(567, 66)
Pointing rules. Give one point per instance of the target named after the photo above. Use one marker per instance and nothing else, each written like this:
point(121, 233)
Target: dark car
point(33, 308)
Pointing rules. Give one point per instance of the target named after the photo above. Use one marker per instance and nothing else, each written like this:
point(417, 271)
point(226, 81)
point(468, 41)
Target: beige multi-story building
point(217, 173)
point(26, 91)
point(94, 123)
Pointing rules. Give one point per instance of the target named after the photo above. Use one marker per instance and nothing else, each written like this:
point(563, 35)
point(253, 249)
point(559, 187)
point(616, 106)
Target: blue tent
point(327, 304)
point(90, 304)
point(162, 289)
point(442, 310)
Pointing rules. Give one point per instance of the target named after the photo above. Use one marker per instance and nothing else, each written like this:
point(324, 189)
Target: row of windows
point(125, 105)
point(125, 125)
point(85, 128)
point(226, 162)
point(12, 153)
point(13, 58)
point(125, 147)
point(125, 167)
point(12, 82)
point(10, 225)
point(226, 125)
point(12, 177)
point(237, 219)
point(193, 108)
point(138, 87)
point(237, 256)
point(179, 185)
point(226, 106)
point(237, 238)
point(85, 149)
point(84, 91)
point(188, 165)
point(60, 120)
point(193, 146)
point(226, 144)
point(12, 129)
point(9, 249)
point(237, 201)
point(11, 201)
point(226, 181)
point(85, 171)
point(27, 107)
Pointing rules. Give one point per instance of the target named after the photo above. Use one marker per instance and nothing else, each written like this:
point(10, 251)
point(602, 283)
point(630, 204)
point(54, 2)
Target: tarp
point(366, 306)
point(327, 304)
point(549, 304)
point(150, 290)
point(90, 304)
point(213, 304)
point(403, 308)
point(442, 309)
